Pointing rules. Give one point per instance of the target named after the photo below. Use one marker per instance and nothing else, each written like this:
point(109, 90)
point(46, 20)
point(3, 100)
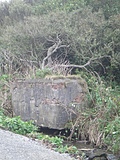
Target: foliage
point(2, 116)
point(16, 125)
point(112, 134)
point(44, 7)
point(42, 73)
point(109, 7)
point(29, 28)
point(5, 95)
point(56, 142)
point(3, 80)
point(62, 149)
point(4, 77)
point(101, 120)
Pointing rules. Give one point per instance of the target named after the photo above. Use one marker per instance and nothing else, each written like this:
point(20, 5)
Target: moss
point(80, 80)
point(54, 77)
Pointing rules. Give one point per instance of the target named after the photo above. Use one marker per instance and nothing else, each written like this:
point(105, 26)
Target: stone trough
point(52, 102)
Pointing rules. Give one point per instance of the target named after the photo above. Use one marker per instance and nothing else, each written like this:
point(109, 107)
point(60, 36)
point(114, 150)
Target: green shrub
point(42, 73)
point(112, 135)
point(101, 119)
point(18, 126)
point(56, 141)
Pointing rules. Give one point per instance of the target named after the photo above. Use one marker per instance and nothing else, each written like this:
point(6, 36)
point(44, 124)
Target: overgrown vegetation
point(41, 37)
point(101, 121)
point(17, 125)
point(55, 142)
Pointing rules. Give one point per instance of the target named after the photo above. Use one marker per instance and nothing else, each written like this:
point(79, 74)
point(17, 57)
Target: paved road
point(17, 147)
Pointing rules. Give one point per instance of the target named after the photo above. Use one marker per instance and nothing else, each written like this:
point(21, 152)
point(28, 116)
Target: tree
point(78, 36)
point(109, 7)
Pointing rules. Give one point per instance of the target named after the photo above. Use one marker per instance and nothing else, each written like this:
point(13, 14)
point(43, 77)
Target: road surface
point(18, 147)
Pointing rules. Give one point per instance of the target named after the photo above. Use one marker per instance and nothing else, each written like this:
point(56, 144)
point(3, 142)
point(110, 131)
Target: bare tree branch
point(52, 50)
point(75, 66)
point(78, 66)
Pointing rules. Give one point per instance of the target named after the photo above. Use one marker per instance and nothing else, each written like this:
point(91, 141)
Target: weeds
point(56, 143)
point(112, 135)
point(17, 125)
point(42, 73)
point(101, 120)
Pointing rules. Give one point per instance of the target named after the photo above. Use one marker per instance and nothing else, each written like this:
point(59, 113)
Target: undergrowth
point(101, 120)
point(55, 143)
point(16, 125)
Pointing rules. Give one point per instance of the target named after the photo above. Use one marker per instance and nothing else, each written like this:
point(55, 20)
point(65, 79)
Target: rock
point(50, 102)
point(100, 155)
point(112, 157)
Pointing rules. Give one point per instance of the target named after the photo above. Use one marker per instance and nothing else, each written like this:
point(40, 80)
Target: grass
point(101, 120)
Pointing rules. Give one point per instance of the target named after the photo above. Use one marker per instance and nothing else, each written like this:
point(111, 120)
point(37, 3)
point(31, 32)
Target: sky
point(4, 0)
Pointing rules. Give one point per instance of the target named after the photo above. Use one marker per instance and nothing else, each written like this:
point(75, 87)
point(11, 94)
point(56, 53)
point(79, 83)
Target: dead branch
point(73, 128)
point(73, 65)
point(61, 70)
point(57, 45)
point(78, 66)
point(50, 51)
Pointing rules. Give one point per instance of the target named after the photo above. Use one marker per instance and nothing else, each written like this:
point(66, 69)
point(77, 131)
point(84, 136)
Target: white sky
point(4, 0)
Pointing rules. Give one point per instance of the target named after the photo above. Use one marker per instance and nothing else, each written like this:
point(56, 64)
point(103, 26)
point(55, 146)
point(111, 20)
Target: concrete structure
point(50, 102)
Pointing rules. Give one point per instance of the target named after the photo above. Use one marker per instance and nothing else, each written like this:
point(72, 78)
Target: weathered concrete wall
point(49, 102)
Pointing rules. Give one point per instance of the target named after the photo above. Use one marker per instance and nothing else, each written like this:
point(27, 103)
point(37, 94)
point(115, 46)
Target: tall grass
point(101, 120)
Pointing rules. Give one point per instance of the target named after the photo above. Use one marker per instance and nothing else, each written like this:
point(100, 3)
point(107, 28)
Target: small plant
point(17, 125)
point(62, 149)
point(72, 150)
point(112, 134)
point(1, 117)
point(67, 149)
point(56, 141)
point(4, 77)
point(42, 73)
